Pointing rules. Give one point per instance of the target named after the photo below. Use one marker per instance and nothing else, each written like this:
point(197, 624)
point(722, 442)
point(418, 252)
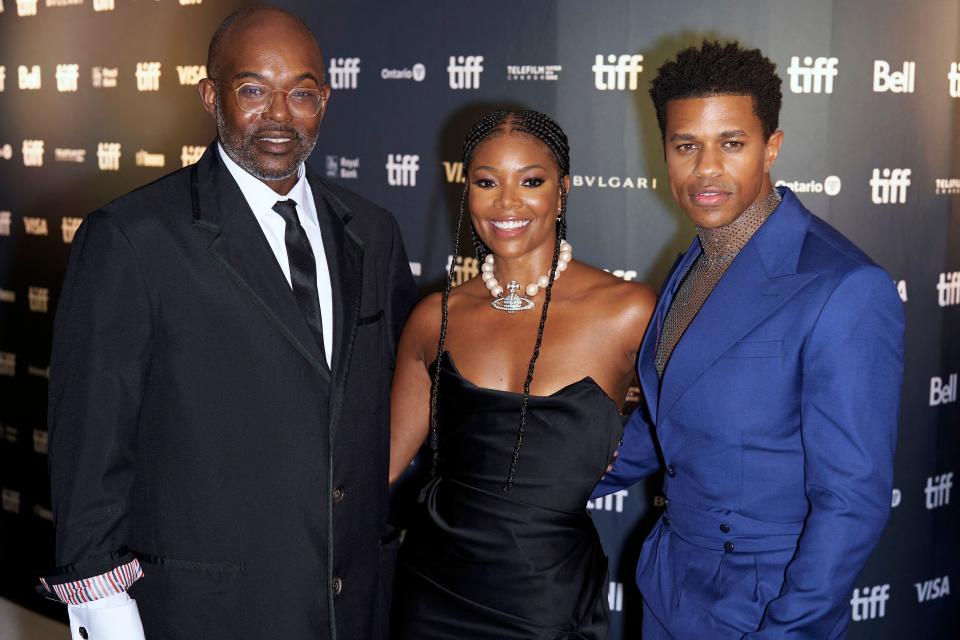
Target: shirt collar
point(723, 243)
point(260, 197)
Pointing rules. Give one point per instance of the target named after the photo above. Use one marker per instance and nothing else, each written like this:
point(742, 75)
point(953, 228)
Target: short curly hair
point(720, 70)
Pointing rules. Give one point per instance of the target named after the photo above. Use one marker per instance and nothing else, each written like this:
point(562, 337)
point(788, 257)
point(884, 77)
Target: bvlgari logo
point(144, 158)
point(69, 226)
point(614, 182)
point(190, 153)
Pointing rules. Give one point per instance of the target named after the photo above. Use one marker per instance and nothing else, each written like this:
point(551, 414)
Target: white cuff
point(112, 618)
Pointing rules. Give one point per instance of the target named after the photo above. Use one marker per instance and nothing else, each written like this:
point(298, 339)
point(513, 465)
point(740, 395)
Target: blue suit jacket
point(777, 419)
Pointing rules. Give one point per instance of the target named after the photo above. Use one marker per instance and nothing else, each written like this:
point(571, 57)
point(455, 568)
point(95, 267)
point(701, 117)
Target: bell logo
point(402, 169)
point(612, 502)
point(67, 76)
point(192, 74)
point(108, 156)
point(615, 596)
point(948, 289)
point(8, 364)
point(902, 81)
point(190, 153)
point(814, 76)
point(464, 71)
point(870, 603)
point(943, 392)
point(103, 5)
point(932, 589)
point(29, 77)
point(453, 171)
point(148, 76)
point(344, 72)
point(104, 77)
point(5, 223)
point(32, 153)
point(38, 299)
point(35, 226)
point(26, 7)
point(953, 79)
point(144, 158)
point(891, 188)
point(69, 228)
point(619, 73)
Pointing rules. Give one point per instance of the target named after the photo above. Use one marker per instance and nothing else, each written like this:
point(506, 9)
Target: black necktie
point(303, 269)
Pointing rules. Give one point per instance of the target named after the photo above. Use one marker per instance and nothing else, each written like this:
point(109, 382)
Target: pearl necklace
point(513, 302)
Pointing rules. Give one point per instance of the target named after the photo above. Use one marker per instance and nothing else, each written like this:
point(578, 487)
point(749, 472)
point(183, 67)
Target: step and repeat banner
point(98, 97)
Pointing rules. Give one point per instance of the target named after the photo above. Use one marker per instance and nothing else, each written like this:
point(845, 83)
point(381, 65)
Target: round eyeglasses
point(302, 102)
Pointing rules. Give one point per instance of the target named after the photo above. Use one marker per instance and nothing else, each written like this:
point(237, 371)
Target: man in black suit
point(219, 415)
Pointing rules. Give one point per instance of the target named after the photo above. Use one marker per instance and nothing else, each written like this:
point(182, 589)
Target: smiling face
point(514, 195)
point(270, 49)
point(717, 158)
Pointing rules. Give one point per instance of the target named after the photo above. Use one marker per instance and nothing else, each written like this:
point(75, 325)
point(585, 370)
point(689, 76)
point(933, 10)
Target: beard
point(240, 148)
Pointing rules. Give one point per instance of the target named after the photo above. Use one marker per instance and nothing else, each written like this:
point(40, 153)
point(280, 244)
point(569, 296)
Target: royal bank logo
point(104, 77)
point(26, 7)
point(6, 152)
point(953, 80)
point(943, 391)
point(948, 289)
point(8, 364)
point(108, 156)
point(69, 226)
point(344, 73)
point(190, 153)
point(465, 268)
point(32, 153)
point(618, 72)
point(3, 78)
point(614, 182)
point(417, 73)
point(946, 186)
point(900, 81)
point(869, 603)
point(38, 299)
point(612, 502)
point(815, 75)
point(191, 74)
point(5, 219)
point(10, 500)
point(937, 491)
point(932, 589)
point(40, 441)
point(536, 73)
point(891, 188)
point(143, 158)
point(69, 155)
point(901, 289)
point(6, 295)
point(453, 171)
point(34, 226)
point(67, 76)
point(464, 72)
point(103, 5)
point(343, 167)
point(615, 596)
point(402, 169)
point(29, 77)
point(148, 76)
point(830, 185)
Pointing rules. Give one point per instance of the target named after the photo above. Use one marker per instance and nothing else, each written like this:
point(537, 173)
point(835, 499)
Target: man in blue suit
point(771, 370)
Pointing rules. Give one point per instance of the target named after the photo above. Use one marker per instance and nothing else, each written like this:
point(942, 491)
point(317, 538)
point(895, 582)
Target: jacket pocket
point(755, 349)
point(376, 317)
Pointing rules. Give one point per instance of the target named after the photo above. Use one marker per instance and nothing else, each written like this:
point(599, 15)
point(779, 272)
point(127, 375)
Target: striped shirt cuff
point(96, 587)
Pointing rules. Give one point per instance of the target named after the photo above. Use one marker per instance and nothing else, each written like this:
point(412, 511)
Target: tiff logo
point(953, 79)
point(937, 491)
point(612, 502)
point(191, 74)
point(453, 171)
point(29, 77)
point(948, 289)
point(26, 7)
point(902, 81)
point(943, 392)
point(8, 364)
point(465, 71)
point(3, 78)
point(69, 226)
point(891, 188)
point(815, 76)
point(344, 72)
point(190, 153)
point(104, 77)
point(5, 223)
point(35, 226)
point(618, 73)
point(40, 441)
point(103, 5)
point(932, 589)
point(465, 269)
point(10, 500)
point(108, 156)
point(38, 299)
point(870, 603)
point(67, 76)
point(402, 169)
point(32, 153)
point(148, 76)
point(615, 596)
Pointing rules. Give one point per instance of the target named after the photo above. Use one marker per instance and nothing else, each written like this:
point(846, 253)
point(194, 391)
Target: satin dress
point(480, 563)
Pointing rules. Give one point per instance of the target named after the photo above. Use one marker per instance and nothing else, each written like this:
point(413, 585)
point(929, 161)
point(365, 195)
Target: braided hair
point(542, 128)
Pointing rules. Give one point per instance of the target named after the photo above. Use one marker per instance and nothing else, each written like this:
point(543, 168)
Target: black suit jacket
point(195, 424)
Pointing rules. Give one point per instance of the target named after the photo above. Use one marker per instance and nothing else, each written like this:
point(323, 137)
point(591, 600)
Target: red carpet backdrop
point(98, 97)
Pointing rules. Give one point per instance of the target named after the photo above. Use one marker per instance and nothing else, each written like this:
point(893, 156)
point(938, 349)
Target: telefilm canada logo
point(902, 80)
point(417, 73)
point(190, 153)
point(889, 186)
point(148, 76)
point(108, 156)
point(813, 75)
point(29, 78)
point(533, 72)
point(946, 186)
point(343, 167)
point(618, 73)
point(830, 185)
point(67, 77)
point(402, 169)
point(464, 72)
point(75, 156)
point(344, 73)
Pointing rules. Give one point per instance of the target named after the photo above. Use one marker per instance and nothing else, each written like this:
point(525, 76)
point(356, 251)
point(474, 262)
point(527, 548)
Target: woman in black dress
point(502, 546)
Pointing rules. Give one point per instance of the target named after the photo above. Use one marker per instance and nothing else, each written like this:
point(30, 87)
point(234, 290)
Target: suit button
point(671, 471)
point(725, 527)
point(728, 546)
point(666, 521)
point(338, 493)
point(337, 586)
point(83, 633)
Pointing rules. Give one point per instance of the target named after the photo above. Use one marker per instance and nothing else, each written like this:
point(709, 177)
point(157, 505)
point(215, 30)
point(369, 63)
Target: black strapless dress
point(478, 563)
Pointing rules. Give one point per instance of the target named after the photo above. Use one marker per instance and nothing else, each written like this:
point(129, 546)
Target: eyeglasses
point(302, 102)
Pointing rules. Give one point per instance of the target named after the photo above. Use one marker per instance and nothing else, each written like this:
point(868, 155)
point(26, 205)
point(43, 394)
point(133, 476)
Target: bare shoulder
point(423, 325)
point(623, 299)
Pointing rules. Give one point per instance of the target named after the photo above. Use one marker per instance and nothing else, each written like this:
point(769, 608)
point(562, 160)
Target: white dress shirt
point(116, 617)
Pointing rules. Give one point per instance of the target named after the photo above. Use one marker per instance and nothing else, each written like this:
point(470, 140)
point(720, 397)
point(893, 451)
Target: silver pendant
point(513, 302)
